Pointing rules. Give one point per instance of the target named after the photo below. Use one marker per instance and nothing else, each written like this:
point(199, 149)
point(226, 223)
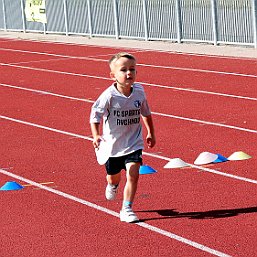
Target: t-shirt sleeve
point(145, 109)
point(98, 109)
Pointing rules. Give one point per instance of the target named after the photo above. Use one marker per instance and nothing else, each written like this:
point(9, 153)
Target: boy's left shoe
point(110, 192)
point(128, 215)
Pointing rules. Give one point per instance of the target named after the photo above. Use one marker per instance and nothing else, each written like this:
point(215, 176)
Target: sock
point(127, 204)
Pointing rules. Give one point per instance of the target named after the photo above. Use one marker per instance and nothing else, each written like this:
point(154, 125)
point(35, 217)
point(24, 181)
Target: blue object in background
point(145, 169)
point(220, 158)
point(11, 185)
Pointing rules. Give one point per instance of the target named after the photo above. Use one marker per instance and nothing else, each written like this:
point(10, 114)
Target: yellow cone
point(237, 156)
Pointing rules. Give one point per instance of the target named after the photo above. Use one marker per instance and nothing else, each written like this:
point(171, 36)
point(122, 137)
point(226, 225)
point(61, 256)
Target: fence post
point(89, 18)
point(145, 20)
point(179, 23)
point(214, 21)
point(116, 19)
point(254, 12)
point(23, 17)
point(44, 28)
point(66, 18)
point(5, 25)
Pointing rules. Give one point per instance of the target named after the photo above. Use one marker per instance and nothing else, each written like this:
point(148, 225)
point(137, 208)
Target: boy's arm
point(95, 130)
point(150, 138)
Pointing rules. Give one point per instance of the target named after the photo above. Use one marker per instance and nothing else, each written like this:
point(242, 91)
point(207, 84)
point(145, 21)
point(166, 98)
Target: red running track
point(199, 103)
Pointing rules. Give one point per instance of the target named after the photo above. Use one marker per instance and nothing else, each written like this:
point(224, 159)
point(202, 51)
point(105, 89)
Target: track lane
point(190, 138)
point(213, 108)
point(69, 177)
point(165, 210)
point(223, 83)
point(164, 200)
point(10, 56)
point(164, 58)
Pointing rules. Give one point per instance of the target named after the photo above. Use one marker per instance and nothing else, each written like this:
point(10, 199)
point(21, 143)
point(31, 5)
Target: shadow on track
point(212, 214)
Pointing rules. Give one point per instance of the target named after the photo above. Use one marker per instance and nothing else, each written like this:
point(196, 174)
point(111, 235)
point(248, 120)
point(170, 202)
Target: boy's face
point(123, 71)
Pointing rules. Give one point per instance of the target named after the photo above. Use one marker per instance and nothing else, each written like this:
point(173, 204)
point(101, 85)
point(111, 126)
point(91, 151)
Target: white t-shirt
point(122, 127)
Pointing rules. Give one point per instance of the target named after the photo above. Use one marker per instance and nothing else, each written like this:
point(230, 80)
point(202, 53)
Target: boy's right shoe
point(110, 192)
point(127, 215)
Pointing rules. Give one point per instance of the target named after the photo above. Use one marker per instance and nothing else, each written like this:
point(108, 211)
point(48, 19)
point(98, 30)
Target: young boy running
point(120, 107)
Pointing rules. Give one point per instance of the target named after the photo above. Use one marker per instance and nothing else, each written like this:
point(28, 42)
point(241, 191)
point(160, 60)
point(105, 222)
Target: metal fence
point(209, 21)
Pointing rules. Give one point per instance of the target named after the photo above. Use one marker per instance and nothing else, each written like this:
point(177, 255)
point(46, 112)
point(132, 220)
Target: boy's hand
point(150, 140)
point(96, 141)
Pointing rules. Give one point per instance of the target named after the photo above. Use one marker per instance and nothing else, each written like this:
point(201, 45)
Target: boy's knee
point(133, 175)
point(133, 172)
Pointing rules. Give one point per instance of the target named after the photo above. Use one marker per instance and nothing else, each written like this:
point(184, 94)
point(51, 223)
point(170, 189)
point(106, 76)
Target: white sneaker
point(110, 192)
point(128, 215)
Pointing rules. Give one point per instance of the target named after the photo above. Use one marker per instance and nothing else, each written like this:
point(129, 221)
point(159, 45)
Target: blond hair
point(117, 56)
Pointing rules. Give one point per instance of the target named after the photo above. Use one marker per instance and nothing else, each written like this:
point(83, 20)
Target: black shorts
point(115, 164)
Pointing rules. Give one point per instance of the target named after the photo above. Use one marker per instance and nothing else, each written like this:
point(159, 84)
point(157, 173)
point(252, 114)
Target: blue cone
point(145, 169)
point(11, 185)
point(220, 159)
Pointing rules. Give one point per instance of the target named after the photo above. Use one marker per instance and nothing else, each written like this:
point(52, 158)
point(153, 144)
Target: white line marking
point(47, 93)
point(56, 55)
point(39, 61)
point(143, 83)
point(46, 128)
point(115, 214)
point(199, 70)
point(139, 64)
point(206, 122)
point(55, 71)
point(226, 174)
point(207, 169)
point(215, 56)
point(145, 153)
point(199, 91)
point(155, 113)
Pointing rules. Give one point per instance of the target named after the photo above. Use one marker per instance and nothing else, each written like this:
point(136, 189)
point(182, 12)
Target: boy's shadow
point(212, 214)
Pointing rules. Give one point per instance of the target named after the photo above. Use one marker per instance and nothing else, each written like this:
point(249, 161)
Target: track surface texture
point(201, 102)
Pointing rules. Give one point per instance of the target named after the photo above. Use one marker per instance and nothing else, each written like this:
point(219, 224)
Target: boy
point(121, 106)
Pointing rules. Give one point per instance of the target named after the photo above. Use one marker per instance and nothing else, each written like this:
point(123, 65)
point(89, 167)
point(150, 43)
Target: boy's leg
point(114, 179)
point(127, 214)
point(113, 168)
point(112, 186)
point(132, 175)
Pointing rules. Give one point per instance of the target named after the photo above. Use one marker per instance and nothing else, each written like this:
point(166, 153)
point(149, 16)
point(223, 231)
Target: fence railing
point(210, 21)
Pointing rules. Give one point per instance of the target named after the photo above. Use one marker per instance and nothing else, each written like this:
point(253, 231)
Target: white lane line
point(46, 128)
point(39, 61)
point(206, 122)
point(143, 83)
point(48, 93)
point(143, 49)
point(139, 64)
point(145, 153)
point(155, 113)
point(55, 71)
point(199, 70)
point(200, 91)
point(115, 214)
point(224, 174)
point(55, 55)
